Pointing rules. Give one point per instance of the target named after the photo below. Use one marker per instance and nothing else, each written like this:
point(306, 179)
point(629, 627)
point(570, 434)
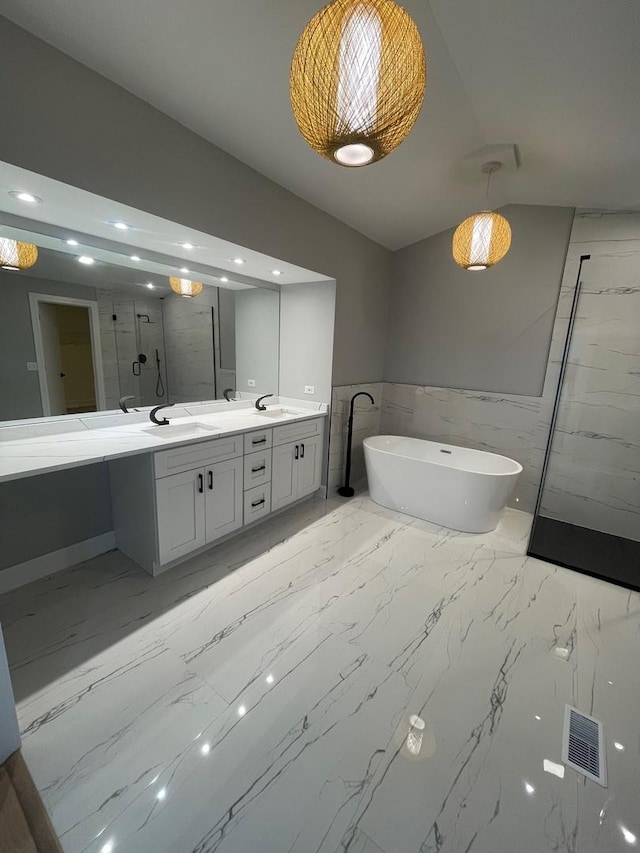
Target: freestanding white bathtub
point(451, 486)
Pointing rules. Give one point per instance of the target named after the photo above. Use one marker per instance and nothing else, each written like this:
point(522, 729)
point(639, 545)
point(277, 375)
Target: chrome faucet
point(154, 412)
point(259, 405)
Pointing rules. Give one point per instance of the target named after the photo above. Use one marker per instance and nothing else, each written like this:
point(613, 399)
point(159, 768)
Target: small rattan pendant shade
point(358, 78)
point(17, 256)
point(184, 287)
point(481, 240)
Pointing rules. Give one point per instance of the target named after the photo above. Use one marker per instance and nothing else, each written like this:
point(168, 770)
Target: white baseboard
point(56, 561)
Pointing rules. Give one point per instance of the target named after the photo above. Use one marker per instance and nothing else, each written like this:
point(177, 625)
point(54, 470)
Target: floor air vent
point(583, 745)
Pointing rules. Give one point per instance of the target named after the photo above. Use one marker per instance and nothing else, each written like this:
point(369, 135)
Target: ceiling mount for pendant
point(358, 78)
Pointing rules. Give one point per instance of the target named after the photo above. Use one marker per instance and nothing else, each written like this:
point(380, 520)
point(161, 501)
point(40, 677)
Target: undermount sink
point(275, 413)
point(180, 430)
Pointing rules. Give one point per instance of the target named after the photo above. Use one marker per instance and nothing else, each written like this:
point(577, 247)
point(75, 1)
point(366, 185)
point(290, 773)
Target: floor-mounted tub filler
point(452, 486)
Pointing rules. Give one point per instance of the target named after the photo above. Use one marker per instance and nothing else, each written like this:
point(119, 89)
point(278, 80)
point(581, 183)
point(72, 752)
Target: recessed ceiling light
point(27, 197)
point(121, 226)
point(150, 285)
point(529, 788)
point(276, 272)
point(224, 279)
point(72, 242)
point(85, 259)
point(187, 245)
point(238, 261)
point(628, 836)
point(619, 746)
point(135, 258)
point(184, 270)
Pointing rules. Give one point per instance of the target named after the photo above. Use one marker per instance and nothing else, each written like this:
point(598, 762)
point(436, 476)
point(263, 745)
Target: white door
point(181, 514)
point(223, 503)
point(52, 366)
point(309, 466)
point(284, 470)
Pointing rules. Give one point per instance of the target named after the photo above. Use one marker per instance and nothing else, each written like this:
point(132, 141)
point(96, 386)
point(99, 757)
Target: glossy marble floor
point(258, 698)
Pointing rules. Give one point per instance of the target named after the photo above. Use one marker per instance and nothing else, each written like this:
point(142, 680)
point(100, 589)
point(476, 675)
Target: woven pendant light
point(358, 78)
point(184, 287)
point(483, 239)
point(17, 256)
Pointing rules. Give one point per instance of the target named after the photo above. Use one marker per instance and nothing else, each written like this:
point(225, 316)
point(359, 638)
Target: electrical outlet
point(251, 383)
point(32, 366)
point(309, 389)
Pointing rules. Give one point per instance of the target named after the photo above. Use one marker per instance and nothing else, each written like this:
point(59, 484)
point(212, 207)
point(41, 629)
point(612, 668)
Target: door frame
point(94, 327)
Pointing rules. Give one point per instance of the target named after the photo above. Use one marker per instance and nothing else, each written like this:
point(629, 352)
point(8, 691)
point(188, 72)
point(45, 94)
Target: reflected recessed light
point(205, 749)
point(72, 242)
point(187, 245)
point(238, 261)
point(553, 768)
point(162, 794)
point(242, 711)
point(619, 746)
point(150, 285)
point(27, 197)
point(224, 278)
point(184, 270)
point(107, 848)
point(276, 272)
point(121, 226)
point(135, 258)
point(529, 788)
point(270, 679)
point(85, 259)
point(628, 836)
point(538, 717)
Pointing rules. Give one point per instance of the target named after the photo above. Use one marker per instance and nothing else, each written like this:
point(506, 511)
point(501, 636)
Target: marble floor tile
point(343, 679)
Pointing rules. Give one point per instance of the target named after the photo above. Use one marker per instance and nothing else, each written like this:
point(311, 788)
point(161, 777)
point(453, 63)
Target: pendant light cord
point(487, 192)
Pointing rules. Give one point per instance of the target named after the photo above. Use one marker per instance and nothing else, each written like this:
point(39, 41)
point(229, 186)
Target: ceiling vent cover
point(583, 745)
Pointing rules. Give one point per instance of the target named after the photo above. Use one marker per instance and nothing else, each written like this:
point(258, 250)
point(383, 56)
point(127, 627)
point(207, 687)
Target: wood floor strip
point(15, 836)
point(35, 815)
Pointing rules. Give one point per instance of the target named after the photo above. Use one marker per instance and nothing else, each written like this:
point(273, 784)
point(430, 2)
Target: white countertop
point(28, 457)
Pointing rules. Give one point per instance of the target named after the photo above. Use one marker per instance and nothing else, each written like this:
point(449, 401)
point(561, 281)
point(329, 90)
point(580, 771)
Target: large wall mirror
point(84, 327)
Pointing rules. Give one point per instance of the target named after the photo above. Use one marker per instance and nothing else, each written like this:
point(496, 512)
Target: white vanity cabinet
point(175, 502)
point(297, 462)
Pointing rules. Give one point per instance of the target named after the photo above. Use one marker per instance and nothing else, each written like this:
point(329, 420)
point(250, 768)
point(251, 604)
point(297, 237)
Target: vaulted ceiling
point(559, 78)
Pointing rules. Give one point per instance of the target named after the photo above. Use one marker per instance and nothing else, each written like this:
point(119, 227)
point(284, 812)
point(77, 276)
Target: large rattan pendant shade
point(358, 78)
point(481, 240)
point(184, 287)
point(17, 256)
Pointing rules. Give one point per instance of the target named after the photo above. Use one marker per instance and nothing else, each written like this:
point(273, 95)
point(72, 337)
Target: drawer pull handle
point(211, 480)
point(302, 451)
point(200, 483)
point(261, 468)
point(258, 503)
point(259, 441)
point(297, 452)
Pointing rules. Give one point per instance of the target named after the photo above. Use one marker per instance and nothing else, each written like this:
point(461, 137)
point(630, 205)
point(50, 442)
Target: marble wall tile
point(366, 423)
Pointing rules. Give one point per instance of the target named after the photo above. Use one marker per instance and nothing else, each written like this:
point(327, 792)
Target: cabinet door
point(223, 503)
point(309, 466)
point(180, 505)
point(284, 469)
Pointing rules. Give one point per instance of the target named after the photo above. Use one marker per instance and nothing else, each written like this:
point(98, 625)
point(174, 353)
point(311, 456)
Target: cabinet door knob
point(211, 480)
point(200, 483)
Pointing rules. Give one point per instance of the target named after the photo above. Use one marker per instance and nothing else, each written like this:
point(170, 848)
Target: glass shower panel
point(589, 509)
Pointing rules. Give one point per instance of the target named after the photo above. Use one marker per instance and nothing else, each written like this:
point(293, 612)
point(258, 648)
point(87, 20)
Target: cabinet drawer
point(196, 455)
point(296, 431)
point(257, 469)
point(259, 440)
point(257, 503)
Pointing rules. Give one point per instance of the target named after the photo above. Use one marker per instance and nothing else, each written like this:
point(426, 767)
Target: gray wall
point(119, 147)
point(19, 388)
point(487, 331)
point(257, 340)
point(49, 512)
point(306, 339)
